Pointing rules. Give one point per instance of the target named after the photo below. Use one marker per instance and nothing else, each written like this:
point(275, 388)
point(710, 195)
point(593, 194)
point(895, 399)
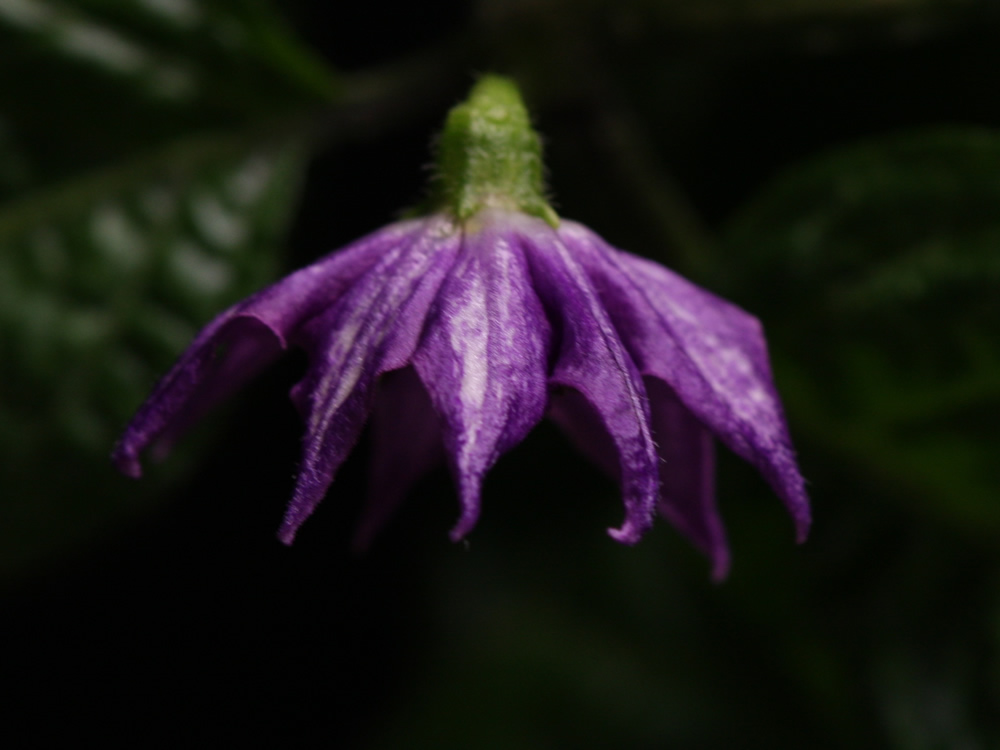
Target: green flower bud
point(489, 156)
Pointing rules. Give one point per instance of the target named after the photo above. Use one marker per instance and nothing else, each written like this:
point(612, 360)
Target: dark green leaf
point(731, 11)
point(95, 81)
point(876, 269)
point(146, 174)
point(103, 281)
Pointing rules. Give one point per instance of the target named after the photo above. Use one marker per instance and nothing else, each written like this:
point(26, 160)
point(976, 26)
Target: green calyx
point(489, 156)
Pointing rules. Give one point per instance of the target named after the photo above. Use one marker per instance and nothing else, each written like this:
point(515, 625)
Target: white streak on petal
point(468, 337)
point(365, 327)
point(346, 340)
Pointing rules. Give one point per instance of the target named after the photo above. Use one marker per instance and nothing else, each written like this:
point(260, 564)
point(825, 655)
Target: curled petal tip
point(802, 526)
point(286, 534)
point(127, 462)
point(628, 534)
point(798, 507)
point(461, 529)
point(720, 568)
point(471, 487)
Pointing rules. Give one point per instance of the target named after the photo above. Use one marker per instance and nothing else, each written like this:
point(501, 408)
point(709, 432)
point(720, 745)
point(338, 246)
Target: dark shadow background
point(194, 625)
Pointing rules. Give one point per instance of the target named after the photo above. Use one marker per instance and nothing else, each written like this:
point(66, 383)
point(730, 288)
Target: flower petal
point(372, 329)
point(239, 343)
point(686, 466)
point(483, 358)
point(406, 444)
point(687, 475)
point(711, 353)
point(592, 360)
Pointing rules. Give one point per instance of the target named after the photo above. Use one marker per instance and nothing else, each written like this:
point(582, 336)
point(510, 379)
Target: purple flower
point(462, 333)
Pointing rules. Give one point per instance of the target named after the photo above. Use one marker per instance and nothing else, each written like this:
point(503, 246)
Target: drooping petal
point(483, 357)
point(240, 342)
point(687, 463)
point(592, 361)
point(710, 352)
point(405, 445)
point(687, 475)
point(372, 329)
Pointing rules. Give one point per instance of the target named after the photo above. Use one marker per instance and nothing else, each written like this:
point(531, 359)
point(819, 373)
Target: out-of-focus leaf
point(149, 153)
point(926, 706)
point(877, 271)
point(175, 49)
point(103, 281)
point(729, 11)
point(13, 167)
point(95, 81)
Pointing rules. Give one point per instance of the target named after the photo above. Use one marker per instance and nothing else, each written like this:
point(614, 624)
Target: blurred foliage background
point(831, 165)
